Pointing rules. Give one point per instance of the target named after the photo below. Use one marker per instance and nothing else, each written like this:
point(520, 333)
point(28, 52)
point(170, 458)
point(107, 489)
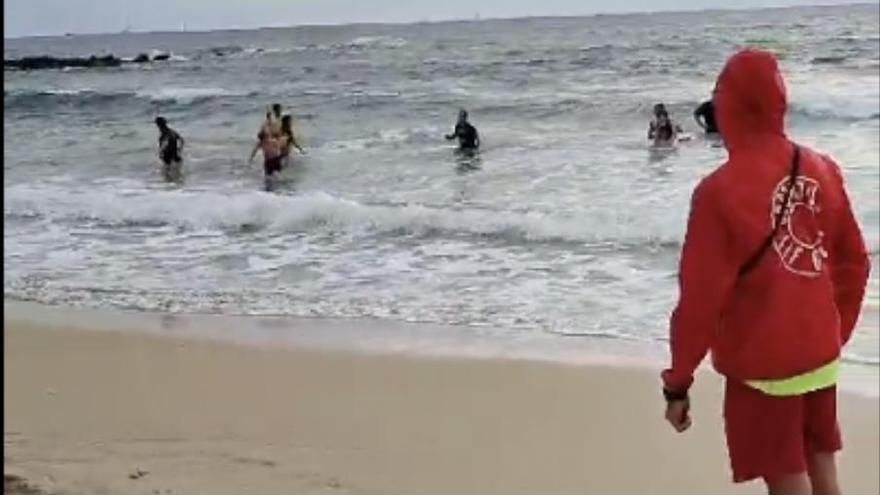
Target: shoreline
point(105, 410)
point(360, 335)
point(390, 337)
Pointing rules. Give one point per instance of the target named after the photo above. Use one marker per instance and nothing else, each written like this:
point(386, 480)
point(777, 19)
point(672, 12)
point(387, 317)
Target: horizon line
point(479, 18)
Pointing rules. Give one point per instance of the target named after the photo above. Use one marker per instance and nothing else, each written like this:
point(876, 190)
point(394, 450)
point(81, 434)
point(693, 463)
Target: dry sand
point(104, 412)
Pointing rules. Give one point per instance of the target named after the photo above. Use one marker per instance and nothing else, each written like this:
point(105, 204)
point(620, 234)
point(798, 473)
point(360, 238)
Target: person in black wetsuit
point(170, 147)
point(706, 112)
point(467, 136)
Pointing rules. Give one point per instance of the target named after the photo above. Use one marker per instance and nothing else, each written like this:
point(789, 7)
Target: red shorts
point(768, 436)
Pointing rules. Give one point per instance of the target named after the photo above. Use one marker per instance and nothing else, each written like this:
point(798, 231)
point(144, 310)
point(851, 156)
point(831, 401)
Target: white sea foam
point(257, 210)
point(376, 42)
point(184, 94)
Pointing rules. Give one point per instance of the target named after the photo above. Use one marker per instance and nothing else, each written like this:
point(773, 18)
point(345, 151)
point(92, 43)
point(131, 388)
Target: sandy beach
point(115, 411)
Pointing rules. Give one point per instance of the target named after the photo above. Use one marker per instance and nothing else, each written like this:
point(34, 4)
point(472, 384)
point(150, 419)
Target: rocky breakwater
point(94, 61)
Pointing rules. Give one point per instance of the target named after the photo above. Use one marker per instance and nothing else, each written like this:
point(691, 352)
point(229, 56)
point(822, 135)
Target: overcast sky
point(41, 17)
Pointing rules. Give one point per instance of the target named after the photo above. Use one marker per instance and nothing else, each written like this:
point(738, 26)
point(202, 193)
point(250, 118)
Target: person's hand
point(678, 414)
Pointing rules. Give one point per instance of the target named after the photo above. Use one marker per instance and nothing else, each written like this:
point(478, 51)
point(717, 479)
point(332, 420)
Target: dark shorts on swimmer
point(272, 165)
point(169, 157)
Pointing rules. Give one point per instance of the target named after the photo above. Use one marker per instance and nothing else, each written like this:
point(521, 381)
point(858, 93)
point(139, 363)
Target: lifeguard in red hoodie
point(773, 271)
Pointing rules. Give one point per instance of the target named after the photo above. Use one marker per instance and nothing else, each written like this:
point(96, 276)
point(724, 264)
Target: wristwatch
point(672, 396)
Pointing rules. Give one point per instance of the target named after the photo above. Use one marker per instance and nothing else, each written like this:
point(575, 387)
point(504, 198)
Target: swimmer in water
point(467, 136)
point(662, 130)
point(272, 123)
point(705, 117)
point(270, 145)
point(170, 148)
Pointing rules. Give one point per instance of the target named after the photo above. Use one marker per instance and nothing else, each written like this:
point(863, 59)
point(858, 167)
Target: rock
point(47, 62)
point(93, 61)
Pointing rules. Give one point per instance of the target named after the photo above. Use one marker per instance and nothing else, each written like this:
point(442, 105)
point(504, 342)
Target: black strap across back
point(753, 260)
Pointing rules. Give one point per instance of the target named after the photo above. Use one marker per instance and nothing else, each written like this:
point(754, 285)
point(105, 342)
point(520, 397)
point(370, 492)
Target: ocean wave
point(367, 98)
point(237, 51)
point(829, 60)
point(857, 359)
point(373, 94)
point(601, 56)
point(318, 92)
point(31, 100)
point(836, 106)
point(187, 95)
point(362, 42)
point(87, 97)
point(357, 44)
point(852, 112)
point(603, 48)
point(532, 62)
point(157, 55)
point(252, 211)
point(533, 108)
point(222, 50)
point(389, 137)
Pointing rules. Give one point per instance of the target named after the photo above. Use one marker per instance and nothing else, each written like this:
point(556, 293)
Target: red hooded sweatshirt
point(797, 307)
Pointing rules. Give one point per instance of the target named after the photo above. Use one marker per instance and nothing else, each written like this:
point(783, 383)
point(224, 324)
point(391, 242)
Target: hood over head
point(750, 99)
